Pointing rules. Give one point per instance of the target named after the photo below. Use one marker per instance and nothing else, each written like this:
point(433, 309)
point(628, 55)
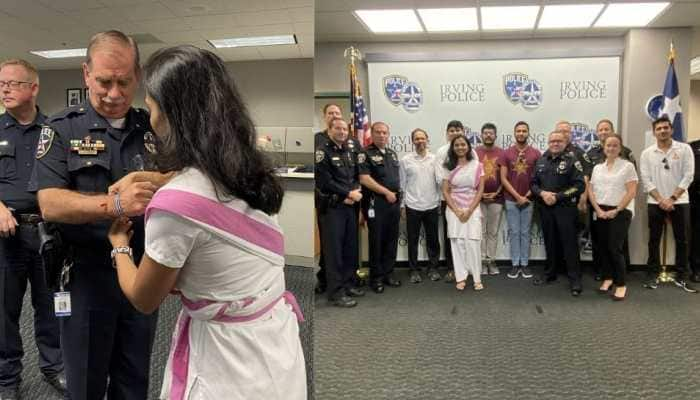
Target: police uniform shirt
point(561, 174)
point(82, 152)
point(17, 147)
point(595, 156)
point(320, 139)
point(336, 170)
point(383, 167)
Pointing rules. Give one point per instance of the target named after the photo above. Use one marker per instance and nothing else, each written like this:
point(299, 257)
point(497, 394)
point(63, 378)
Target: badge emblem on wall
point(520, 89)
point(582, 136)
point(654, 106)
point(400, 92)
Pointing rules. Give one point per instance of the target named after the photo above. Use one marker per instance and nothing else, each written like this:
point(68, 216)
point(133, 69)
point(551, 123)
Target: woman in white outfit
point(213, 239)
point(462, 189)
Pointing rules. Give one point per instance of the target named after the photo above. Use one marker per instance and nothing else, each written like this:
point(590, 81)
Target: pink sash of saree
point(247, 228)
point(464, 196)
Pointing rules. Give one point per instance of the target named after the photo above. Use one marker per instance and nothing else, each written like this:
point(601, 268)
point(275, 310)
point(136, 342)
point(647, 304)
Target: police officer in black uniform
point(694, 192)
point(557, 183)
point(19, 240)
point(338, 199)
point(591, 158)
point(87, 149)
point(331, 111)
point(379, 175)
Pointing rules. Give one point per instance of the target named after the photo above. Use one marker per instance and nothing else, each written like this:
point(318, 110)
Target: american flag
point(360, 122)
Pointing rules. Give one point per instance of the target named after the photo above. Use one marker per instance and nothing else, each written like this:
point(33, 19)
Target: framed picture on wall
point(86, 93)
point(74, 96)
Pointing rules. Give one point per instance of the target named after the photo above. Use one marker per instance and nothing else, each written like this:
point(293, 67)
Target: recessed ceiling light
point(64, 53)
point(509, 18)
point(449, 19)
point(569, 16)
point(629, 14)
point(253, 41)
point(389, 21)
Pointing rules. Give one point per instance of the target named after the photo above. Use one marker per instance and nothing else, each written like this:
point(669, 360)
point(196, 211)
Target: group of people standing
point(469, 188)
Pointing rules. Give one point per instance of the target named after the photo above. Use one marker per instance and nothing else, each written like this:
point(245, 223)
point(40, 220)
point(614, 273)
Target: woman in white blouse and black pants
point(611, 191)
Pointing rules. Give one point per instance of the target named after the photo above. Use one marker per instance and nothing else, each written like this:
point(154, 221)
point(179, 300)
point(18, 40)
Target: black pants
point(678, 216)
point(383, 238)
point(105, 336)
point(321, 274)
point(598, 244)
point(612, 233)
point(340, 248)
point(445, 239)
point(695, 232)
point(561, 241)
point(429, 219)
point(19, 263)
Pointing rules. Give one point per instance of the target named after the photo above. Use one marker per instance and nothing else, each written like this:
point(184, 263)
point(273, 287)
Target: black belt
point(32, 219)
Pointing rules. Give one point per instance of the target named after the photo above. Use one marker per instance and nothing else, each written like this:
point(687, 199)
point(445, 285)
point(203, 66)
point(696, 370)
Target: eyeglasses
point(12, 84)
point(665, 161)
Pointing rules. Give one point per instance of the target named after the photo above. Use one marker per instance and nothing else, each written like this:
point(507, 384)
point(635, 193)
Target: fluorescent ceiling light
point(569, 16)
point(65, 53)
point(449, 19)
point(509, 18)
point(389, 21)
point(253, 41)
point(629, 14)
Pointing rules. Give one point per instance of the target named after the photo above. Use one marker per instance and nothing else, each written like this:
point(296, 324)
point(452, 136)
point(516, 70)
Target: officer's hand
point(355, 195)
point(391, 197)
point(8, 223)
point(582, 205)
point(348, 201)
point(136, 197)
point(120, 232)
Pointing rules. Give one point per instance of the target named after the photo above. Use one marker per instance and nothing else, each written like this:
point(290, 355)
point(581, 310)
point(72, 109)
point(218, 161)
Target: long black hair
point(451, 161)
point(209, 126)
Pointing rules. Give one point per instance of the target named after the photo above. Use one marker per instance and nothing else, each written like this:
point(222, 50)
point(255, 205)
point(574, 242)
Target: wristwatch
point(120, 250)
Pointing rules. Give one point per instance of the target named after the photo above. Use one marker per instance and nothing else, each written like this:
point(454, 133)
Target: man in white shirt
point(454, 129)
point(667, 170)
point(420, 205)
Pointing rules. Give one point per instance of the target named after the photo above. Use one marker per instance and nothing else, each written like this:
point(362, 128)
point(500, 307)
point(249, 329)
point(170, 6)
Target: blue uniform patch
point(45, 141)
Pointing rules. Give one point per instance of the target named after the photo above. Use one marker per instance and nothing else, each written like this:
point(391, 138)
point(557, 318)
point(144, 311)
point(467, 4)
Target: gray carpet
point(299, 280)
point(511, 341)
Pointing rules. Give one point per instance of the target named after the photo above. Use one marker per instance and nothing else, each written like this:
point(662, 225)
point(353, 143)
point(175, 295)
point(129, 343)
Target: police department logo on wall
point(520, 89)
point(399, 91)
point(582, 136)
point(654, 106)
point(474, 137)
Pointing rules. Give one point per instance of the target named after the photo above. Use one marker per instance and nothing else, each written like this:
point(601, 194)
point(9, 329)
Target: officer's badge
point(393, 87)
point(149, 142)
point(45, 141)
point(320, 155)
point(86, 146)
point(562, 165)
point(361, 158)
point(578, 166)
point(351, 145)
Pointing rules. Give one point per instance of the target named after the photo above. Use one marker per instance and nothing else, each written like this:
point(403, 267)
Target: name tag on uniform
point(370, 213)
point(87, 146)
point(61, 303)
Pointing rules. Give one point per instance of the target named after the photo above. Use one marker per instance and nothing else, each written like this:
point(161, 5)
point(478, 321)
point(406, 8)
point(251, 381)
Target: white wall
point(644, 65)
point(277, 92)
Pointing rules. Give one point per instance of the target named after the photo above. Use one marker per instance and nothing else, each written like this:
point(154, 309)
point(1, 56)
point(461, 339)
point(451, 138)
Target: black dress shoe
point(355, 292)
point(695, 277)
point(575, 292)
point(377, 286)
point(320, 289)
point(58, 382)
point(9, 394)
point(541, 280)
point(343, 301)
point(598, 277)
point(390, 281)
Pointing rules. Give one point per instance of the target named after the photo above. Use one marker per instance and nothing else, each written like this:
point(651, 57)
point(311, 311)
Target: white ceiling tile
point(147, 11)
point(304, 28)
point(71, 5)
point(163, 25)
point(301, 14)
point(263, 18)
point(244, 31)
point(277, 52)
point(179, 37)
point(211, 21)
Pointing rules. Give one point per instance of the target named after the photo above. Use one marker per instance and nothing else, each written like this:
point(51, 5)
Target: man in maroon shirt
point(491, 156)
point(516, 174)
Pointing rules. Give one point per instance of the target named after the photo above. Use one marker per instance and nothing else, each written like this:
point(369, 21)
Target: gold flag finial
point(353, 53)
point(671, 52)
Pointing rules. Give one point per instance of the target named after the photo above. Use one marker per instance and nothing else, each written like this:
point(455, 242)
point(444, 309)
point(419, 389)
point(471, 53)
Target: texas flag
point(672, 99)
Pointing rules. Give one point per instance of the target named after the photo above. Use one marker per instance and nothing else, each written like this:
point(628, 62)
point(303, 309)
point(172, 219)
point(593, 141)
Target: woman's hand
point(464, 215)
point(120, 232)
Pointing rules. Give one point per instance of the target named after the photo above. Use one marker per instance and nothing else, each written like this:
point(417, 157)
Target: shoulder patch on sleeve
point(45, 140)
point(578, 166)
point(361, 158)
point(320, 155)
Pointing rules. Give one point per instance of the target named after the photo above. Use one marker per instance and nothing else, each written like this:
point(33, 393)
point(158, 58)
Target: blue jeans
point(519, 222)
